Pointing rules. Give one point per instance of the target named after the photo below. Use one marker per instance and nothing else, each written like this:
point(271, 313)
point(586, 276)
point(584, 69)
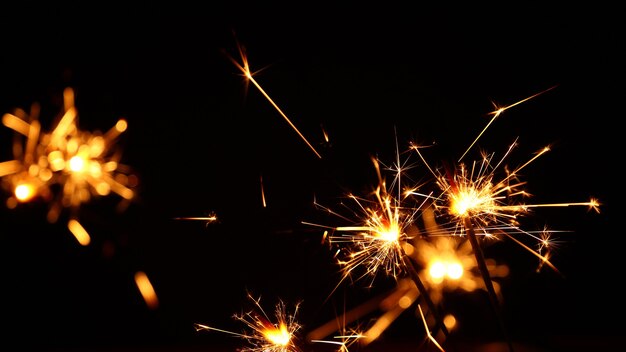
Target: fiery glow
point(82, 164)
point(146, 289)
point(261, 333)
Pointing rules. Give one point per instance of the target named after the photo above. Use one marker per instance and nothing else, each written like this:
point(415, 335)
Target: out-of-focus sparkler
point(262, 334)
point(448, 262)
point(80, 164)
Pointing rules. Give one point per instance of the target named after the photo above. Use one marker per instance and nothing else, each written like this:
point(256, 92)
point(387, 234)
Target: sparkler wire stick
point(480, 259)
point(424, 293)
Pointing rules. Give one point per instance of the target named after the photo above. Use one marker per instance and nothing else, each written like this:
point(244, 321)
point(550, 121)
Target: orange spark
point(146, 289)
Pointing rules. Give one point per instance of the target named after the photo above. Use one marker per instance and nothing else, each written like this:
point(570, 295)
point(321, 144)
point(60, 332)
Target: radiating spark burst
point(475, 199)
point(261, 333)
point(82, 165)
point(374, 244)
point(244, 67)
point(379, 241)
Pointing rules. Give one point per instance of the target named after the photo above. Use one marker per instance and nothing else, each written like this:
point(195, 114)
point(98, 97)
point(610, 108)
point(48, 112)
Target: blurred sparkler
point(262, 334)
point(80, 165)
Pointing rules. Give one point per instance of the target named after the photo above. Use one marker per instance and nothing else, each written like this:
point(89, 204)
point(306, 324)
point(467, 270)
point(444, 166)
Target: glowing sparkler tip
point(594, 204)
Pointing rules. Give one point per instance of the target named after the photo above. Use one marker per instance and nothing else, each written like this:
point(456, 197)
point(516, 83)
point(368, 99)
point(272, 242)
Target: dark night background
point(200, 143)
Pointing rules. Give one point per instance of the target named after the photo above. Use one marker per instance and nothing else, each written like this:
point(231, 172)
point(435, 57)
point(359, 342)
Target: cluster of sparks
point(382, 234)
point(427, 236)
point(65, 167)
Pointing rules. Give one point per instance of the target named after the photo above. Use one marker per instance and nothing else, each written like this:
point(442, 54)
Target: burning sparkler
point(478, 204)
point(261, 333)
point(380, 240)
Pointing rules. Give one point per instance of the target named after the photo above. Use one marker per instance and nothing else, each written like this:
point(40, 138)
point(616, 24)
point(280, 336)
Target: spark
point(146, 289)
point(261, 333)
point(263, 194)
point(497, 112)
point(82, 236)
point(244, 67)
point(211, 218)
point(430, 336)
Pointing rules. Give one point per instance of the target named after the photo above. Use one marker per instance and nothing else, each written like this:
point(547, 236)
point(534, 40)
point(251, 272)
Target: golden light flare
point(261, 333)
point(77, 164)
point(146, 289)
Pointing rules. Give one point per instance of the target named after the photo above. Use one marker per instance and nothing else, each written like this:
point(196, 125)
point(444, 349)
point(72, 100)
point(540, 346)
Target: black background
point(200, 143)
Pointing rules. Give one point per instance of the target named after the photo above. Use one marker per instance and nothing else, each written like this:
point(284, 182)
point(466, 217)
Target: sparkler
point(80, 164)
point(379, 240)
point(480, 204)
point(261, 333)
point(475, 202)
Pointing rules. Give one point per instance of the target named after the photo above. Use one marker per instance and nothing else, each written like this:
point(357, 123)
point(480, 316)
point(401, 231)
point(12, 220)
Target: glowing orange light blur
point(146, 289)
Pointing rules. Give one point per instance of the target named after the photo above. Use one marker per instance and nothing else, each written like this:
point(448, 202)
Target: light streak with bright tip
point(244, 67)
point(211, 218)
point(261, 333)
point(82, 164)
